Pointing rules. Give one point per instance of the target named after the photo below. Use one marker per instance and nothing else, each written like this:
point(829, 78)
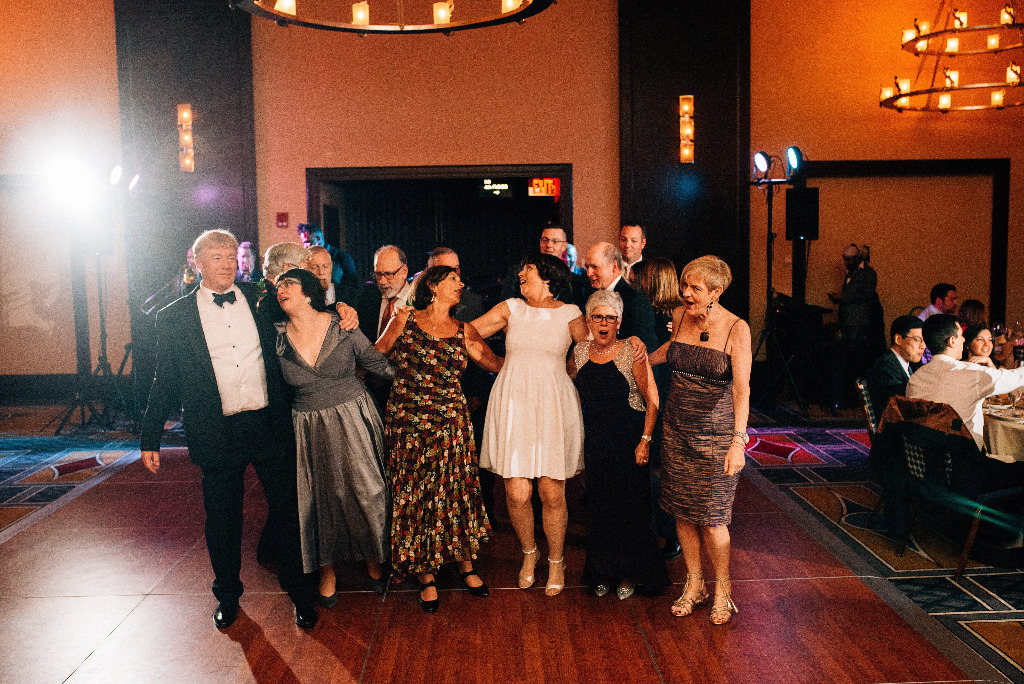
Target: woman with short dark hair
point(437, 512)
point(343, 498)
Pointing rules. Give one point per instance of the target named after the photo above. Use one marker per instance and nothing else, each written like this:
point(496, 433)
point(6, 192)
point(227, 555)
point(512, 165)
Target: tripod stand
point(768, 336)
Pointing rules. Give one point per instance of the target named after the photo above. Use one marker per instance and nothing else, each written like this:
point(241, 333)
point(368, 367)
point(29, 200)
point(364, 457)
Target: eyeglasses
point(916, 339)
point(377, 275)
point(598, 318)
point(551, 241)
point(287, 282)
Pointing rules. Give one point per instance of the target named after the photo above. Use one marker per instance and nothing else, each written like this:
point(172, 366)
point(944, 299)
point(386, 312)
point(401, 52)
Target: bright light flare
point(72, 185)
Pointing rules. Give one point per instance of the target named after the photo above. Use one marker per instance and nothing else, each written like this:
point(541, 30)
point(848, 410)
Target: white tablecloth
point(1004, 435)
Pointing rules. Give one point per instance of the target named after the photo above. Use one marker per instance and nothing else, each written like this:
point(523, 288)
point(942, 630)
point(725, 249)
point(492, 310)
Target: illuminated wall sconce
point(945, 100)
point(186, 148)
point(1013, 74)
point(997, 98)
point(443, 12)
point(885, 93)
point(510, 5)
point(686, 129)
point(361, 13)
point(952, 45)
point(909, 35)
point(285, 7)
point(952, 78)
point(1006, 16)
point(993, 41)
point(959, 19)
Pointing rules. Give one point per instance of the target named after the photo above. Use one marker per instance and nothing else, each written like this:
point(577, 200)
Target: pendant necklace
point(704, 335)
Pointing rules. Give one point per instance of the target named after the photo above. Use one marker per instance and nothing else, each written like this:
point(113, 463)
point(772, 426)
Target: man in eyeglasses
point(391, 275)
point(889, 374)
point(553, 241)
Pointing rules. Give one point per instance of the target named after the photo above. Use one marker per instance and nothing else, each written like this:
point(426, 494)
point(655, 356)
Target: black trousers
point(272, 455)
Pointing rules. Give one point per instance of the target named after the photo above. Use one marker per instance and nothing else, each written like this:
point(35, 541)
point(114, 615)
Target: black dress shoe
point(479, 592)
point(379, 584)
point(306, 616)
point(429, 606)
point(225, 615)
point(671, 550)
point(327, 601)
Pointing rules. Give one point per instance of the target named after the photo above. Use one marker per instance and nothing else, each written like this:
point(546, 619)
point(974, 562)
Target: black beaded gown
point(621, 541)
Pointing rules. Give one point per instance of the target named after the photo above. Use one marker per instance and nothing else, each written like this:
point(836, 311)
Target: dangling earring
point(704, 334)
point(308, 300)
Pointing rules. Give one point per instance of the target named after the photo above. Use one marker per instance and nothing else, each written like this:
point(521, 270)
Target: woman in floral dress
point(438, 513)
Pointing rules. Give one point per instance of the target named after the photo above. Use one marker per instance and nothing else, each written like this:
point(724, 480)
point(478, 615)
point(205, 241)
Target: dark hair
point(940, 291)
point(969, 335)
point(972, 313)
point(310, 285)
point(643, 231)
point(422, 294)
point(938, 329)
point(902, 327)
point(551, 270)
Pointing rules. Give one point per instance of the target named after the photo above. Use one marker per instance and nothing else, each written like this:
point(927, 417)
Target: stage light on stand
point(794, 160)
point(762, 162)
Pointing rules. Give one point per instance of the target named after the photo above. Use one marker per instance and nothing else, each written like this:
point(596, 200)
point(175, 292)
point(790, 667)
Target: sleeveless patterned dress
point(437, 511)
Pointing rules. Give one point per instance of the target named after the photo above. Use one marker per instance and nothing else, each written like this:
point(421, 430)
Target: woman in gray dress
point(705, 430)
point(343, 499)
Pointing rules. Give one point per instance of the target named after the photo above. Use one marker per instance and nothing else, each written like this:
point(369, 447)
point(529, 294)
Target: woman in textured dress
point(437, 512)
point(620, 404)
point(705, 432)
point(534, 429)
point(343, 498)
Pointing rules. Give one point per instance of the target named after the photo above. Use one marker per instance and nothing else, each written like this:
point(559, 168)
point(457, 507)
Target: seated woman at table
point(978, 345)
point(620, 404)
point(343, 499)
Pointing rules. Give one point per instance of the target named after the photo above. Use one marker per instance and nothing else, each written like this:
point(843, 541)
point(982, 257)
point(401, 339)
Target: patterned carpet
point(825, 470)
point(36, 472)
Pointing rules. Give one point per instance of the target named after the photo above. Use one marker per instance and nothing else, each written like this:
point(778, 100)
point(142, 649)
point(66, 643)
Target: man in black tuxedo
point(889, 374)
point(604, 269)
point(216, 361)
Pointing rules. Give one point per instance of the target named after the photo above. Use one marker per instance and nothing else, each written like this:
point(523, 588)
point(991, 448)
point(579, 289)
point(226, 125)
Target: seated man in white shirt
point(961, 384)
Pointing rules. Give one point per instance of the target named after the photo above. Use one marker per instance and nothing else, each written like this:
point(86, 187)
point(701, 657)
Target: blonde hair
point(713, 271)
point(656, 278)
point(212, 239)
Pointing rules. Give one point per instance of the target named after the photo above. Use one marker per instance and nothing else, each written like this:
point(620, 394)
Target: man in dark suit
point(377, 306)
point(889, 374)
point(343, 271)
point(216, 361)
point(604, 269)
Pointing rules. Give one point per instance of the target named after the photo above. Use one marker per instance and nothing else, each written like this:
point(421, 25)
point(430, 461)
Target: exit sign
point(545, 187)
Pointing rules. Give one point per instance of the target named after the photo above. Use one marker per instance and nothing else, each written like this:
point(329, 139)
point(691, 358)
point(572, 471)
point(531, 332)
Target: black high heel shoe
point(480, 592)
point(429, 606)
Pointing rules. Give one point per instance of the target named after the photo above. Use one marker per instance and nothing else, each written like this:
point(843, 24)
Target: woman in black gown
point(620, 404)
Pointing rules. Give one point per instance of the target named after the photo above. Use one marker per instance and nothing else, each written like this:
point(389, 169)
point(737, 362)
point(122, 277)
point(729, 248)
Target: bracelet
point(646, 438)
point(742, 434)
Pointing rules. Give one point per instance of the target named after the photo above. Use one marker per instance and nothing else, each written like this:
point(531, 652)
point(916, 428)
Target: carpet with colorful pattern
point(825, 470)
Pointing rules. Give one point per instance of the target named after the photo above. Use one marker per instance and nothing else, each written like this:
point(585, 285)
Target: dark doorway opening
point(487, 214)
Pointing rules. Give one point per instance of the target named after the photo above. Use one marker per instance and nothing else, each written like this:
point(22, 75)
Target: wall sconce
point(952, 78)
point(686, 129)
point(908, 35)
point(186, 149)
point(1013, 74)
point(904, 85)
point(922, 28)
point(1006, 16)
point(443, 12)
point(959, 19)
point(285, 7)
point(510, 5)
point(361, 13)
point(952, 45)
point(945, 100)
point(885, 93)
point(993, 41)
point(997, 98)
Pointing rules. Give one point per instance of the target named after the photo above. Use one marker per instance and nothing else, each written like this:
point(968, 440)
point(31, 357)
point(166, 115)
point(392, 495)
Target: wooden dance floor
point(115, 587)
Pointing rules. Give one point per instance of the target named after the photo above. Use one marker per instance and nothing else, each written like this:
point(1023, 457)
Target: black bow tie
point(228, 297)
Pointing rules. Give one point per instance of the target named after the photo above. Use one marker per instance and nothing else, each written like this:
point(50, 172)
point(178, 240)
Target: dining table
point(1004, 432)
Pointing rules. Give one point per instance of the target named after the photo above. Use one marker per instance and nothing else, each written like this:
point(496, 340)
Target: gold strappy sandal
point(526, 581)
point(685, 605)
point(722, 611)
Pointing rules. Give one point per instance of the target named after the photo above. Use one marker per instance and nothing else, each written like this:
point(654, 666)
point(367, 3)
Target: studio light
point(762, 162)
point(115, 174)
point(794, 160)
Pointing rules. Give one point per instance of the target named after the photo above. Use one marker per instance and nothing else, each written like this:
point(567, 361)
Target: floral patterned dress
point(438, 512)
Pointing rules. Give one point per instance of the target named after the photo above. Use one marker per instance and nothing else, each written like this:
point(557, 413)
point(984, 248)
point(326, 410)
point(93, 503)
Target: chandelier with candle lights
point(393, 17)
point(992, 50)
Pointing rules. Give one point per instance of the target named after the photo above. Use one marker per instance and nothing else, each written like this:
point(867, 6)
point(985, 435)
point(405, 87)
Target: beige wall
point(59, 85)
point(816, 69)
point(542, 92)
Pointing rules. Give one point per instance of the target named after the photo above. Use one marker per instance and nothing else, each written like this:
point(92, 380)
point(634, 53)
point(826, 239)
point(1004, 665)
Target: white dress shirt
point(329, 295)
point(963, 385)
point(903, 362)
point(234, 344)
point(614, 283)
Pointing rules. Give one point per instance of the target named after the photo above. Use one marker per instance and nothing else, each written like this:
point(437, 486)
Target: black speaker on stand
point(801, 226)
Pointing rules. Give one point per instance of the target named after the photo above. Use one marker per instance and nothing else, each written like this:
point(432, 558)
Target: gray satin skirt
point(344, 502)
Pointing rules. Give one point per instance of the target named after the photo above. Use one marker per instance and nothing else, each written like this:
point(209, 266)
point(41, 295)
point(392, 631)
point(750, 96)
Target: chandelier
point(984, 46)
point(392, 17)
